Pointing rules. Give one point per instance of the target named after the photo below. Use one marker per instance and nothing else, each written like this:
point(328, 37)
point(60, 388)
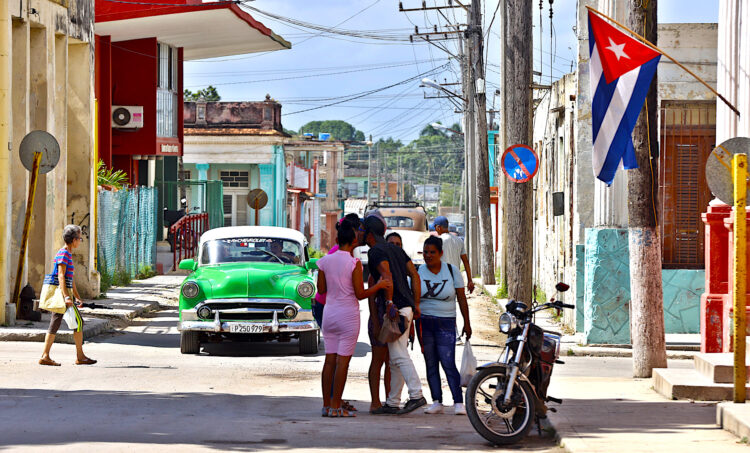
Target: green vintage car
point(249, 284)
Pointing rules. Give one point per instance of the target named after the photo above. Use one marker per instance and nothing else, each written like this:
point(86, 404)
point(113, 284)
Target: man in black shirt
point(389, 262)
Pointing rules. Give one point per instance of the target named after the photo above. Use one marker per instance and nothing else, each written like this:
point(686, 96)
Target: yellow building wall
point(47, 83)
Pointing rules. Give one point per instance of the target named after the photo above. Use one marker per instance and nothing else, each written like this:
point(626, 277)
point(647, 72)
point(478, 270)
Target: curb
point(96, 322)
point(593, 351)
point(91, 328)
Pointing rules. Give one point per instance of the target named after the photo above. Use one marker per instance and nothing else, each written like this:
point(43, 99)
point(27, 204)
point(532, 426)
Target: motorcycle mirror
point(562, 287)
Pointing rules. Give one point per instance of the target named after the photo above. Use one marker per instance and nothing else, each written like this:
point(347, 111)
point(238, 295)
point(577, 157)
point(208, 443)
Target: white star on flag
point(618, 49)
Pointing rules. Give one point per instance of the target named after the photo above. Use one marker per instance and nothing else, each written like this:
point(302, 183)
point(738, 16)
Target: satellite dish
point(719, 168)
point(121, 116)
point(43, 142)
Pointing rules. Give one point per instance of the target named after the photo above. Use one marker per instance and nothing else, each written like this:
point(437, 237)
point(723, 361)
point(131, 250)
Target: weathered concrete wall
point(733, 69)
point(580, 284)
point(693, 45)
point(607, 290)
point(554, 252)
point(607, 286)
point(52, 88)
point(682, 298)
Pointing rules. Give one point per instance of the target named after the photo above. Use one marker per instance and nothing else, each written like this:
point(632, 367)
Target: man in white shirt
point(454, 251)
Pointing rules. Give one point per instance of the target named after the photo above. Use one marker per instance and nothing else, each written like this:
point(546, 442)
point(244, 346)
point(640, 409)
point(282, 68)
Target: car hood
point(243, 280)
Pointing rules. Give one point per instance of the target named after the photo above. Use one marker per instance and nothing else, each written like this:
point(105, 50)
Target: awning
point(205, 31)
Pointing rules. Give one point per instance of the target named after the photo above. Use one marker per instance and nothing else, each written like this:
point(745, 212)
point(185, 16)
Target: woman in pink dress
point(340, 279)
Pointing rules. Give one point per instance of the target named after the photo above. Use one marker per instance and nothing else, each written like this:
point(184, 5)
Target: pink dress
point(321, 298)
point(341, 320)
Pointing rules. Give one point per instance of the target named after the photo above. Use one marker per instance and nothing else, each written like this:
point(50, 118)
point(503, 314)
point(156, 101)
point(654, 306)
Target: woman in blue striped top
point(63, 265)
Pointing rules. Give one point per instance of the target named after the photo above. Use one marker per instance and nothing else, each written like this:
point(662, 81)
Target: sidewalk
point(606, 410)
point(125, 304)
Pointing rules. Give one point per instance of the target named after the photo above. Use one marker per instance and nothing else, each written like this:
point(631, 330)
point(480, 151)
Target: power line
point(410, 79)
point(306, 76)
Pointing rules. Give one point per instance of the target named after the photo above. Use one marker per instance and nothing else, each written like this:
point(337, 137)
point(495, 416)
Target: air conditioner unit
point(127, 116)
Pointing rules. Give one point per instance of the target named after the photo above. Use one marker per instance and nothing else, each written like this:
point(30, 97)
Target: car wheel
point(308, 342)
point(190, 342)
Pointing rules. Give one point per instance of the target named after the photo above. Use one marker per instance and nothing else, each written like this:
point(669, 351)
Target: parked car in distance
point(409, 220)
point(248, 284)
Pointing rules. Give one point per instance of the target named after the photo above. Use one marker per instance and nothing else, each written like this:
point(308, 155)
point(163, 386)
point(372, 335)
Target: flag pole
point(646, 42)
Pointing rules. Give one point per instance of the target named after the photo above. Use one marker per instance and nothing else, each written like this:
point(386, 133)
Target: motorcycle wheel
point(499, 425)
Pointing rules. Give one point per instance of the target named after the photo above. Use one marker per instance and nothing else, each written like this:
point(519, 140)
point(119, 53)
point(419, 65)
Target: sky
point(324, 68)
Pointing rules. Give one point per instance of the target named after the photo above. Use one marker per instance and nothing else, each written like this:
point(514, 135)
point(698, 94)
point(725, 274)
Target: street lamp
point(445, 128)
point(432, 84)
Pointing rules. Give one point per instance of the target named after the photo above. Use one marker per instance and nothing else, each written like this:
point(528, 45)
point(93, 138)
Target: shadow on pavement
point(233, 422)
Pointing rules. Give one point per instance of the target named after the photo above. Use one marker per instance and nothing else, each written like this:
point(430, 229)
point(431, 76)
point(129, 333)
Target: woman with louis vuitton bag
point(59, 299)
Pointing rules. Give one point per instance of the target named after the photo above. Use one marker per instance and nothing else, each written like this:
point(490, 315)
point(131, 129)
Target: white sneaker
point(459, 409)
point(435, 408)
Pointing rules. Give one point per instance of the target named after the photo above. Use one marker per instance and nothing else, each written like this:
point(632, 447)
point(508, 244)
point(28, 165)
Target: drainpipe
point(5, 152)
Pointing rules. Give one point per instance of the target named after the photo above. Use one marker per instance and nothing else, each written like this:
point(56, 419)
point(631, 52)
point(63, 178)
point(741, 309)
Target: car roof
point(405, 212)
point(252, 231)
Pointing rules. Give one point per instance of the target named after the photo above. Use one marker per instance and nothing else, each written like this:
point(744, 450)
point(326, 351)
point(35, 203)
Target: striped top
point(63, 257)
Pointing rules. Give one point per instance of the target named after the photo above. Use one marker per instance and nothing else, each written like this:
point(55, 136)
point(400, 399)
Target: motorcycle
point(505, 398)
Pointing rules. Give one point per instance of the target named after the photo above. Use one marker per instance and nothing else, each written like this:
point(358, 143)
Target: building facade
point(584, 222)
point(140, 50)
point(242, 145)
point(47, 83)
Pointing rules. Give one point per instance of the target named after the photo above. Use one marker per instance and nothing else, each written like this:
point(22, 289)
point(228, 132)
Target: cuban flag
point(621, 70)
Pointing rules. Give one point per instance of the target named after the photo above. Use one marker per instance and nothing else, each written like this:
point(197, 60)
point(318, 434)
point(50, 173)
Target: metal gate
point(200, 197)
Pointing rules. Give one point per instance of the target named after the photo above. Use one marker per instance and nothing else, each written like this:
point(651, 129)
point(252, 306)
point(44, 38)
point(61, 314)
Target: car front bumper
point(301, 323)
point(252, 327)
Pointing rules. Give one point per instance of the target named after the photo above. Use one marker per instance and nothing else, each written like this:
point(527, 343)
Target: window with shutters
point(687, 136)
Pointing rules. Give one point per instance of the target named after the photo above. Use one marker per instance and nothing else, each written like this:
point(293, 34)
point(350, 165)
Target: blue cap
point(441, 220)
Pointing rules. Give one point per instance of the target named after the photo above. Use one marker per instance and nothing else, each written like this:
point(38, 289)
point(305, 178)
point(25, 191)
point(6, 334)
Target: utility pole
point(380, 167)
point(517, 111)
point(369, 164)
point(472, 238)
point(481, 151)
point(647, 301)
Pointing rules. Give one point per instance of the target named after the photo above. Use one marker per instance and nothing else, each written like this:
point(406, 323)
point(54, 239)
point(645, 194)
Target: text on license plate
point(246, 328)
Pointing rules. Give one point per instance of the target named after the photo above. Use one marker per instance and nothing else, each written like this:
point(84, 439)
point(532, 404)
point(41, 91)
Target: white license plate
point(246, 328)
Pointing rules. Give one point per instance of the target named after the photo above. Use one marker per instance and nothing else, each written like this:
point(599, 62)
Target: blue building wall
point(606, 290)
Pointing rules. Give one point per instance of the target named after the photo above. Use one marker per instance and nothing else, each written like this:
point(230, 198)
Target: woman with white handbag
point(61, 300)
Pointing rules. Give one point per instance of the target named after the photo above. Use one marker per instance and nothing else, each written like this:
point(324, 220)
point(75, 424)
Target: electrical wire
point(366, 93)
point(305, 76)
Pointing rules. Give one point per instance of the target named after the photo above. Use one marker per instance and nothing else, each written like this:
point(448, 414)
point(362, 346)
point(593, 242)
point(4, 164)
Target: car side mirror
point(188, 265)
point(311, 264)
point(562, 287)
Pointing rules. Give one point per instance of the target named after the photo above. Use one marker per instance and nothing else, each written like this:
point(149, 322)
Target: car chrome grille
point(249, 309)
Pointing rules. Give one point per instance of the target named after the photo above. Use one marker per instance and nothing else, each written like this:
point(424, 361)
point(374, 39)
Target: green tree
point(339, 130)
point(110, 177)
point(208, 94)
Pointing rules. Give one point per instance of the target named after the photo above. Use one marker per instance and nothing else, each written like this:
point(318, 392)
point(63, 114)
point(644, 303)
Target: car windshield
point(251, 250)
point(399, 222)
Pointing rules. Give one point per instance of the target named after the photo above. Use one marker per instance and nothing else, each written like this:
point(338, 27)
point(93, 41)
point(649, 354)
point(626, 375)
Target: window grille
point(687, 137)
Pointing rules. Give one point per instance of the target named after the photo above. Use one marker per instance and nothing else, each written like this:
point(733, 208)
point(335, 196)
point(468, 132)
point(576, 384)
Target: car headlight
point(305, 289)
point(190, 290)
point(508, 322)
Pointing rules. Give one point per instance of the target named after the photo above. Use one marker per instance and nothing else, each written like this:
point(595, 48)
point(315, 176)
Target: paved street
point(144, 394)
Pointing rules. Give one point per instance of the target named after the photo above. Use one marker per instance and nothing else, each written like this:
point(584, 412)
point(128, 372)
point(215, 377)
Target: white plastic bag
point(70, 318)
point(468, 365)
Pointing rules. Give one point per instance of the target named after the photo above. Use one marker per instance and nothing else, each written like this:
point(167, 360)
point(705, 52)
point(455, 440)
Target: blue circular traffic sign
point(519, 163)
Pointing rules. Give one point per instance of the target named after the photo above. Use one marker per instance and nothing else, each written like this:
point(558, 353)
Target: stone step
point(734, 418)
point(717, 367)
point(687, 383)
